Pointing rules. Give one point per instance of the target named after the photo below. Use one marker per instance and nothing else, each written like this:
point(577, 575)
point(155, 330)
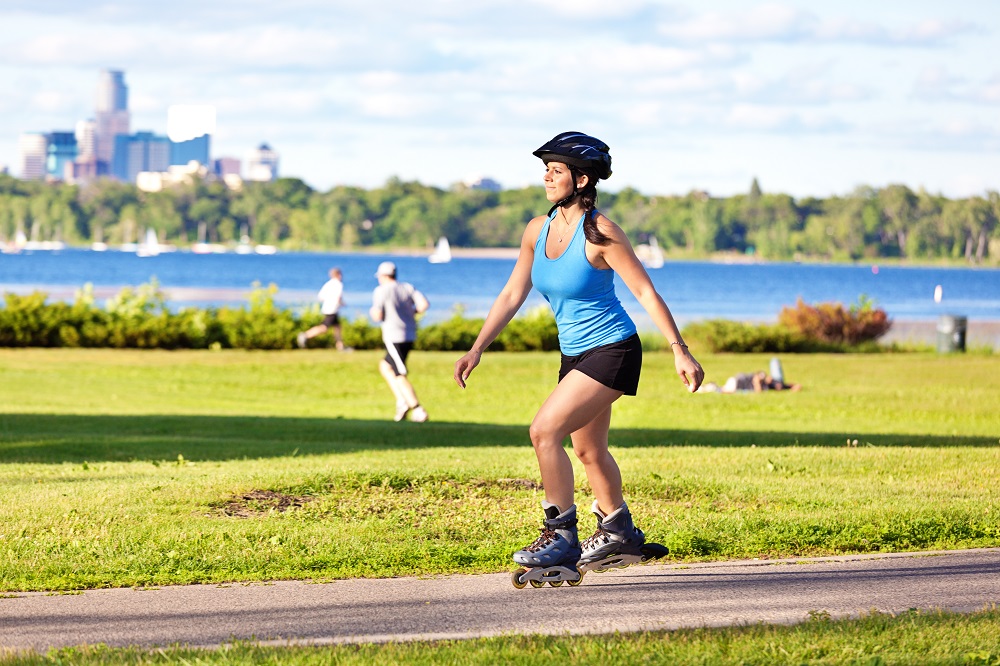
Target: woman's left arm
point(620, 257)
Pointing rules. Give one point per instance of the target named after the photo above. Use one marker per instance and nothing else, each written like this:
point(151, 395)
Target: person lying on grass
point(746, 382)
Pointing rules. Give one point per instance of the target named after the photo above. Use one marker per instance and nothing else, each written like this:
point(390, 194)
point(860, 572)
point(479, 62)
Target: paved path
point(641, 597)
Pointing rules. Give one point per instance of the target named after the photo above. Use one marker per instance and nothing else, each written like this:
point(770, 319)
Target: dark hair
point(588, 200)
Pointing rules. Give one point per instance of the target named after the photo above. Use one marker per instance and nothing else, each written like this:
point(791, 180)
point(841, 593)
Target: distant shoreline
point(717, 258)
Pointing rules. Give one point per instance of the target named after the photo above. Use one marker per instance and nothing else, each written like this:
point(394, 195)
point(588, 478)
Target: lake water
point(693, 289)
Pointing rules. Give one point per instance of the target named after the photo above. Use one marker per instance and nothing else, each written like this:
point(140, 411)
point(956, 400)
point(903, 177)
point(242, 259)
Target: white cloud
point(938, 84)
point(776, 119)
point(49, 101)
point(765, 22)
point(784, 23)
point(719, 86)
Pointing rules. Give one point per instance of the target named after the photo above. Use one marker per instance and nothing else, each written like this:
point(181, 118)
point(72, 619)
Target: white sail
point(151, 247)
point(442, 253)
point(654, 258)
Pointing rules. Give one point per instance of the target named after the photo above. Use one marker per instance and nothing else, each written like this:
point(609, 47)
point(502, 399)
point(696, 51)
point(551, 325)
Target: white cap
point(386, 268)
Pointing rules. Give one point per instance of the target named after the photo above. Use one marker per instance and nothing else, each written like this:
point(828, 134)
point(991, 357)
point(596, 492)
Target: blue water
point(693, 289)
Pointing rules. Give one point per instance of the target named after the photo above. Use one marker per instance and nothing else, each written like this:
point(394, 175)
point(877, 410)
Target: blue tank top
point(588, 312)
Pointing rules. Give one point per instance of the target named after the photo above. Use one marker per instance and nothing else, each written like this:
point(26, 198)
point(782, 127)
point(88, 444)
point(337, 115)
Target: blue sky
point(811, 98)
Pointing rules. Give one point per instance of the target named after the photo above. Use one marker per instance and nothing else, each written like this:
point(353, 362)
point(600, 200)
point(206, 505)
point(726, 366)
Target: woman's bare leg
point(568, 409)
point(590, 444)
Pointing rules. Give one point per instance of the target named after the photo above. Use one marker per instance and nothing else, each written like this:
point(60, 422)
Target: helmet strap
point(576, 191)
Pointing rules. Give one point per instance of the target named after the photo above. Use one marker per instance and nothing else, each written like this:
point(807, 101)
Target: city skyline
point(810, 101)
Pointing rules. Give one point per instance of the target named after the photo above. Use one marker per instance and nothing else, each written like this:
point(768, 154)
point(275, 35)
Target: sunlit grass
point(909, 638)
point(136, 468)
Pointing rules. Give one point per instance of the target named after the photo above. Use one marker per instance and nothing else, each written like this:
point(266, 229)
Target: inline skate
point(553, 556)
point(616, 543)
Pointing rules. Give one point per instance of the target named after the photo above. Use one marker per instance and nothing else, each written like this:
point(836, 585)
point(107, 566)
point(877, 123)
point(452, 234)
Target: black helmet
point(579, 150)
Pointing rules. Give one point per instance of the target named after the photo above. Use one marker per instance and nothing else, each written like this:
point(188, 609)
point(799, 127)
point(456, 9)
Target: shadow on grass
point(46, 438)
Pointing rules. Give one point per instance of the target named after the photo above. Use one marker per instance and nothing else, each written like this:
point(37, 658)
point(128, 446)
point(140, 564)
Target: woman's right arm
point(506, 304)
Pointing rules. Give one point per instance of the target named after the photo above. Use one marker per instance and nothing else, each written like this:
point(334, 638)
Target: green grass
point(128, 468)
point(927, 638)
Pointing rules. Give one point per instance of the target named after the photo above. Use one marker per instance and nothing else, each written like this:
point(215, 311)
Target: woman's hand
point(465, 365)
point(688, 369)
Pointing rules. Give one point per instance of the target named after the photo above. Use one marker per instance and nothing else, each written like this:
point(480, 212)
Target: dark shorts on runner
point(616, 365)
point(331, 320)
point(395, 356)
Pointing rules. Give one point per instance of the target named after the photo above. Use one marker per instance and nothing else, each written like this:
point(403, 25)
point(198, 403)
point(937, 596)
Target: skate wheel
point(574, 583)
point(515, 578)
point(536, 584)
point(555, 583)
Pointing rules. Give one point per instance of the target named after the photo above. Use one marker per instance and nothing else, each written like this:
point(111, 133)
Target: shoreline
point(727, 258)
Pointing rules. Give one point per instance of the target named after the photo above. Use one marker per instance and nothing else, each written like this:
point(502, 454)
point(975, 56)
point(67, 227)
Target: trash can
point(951, 333)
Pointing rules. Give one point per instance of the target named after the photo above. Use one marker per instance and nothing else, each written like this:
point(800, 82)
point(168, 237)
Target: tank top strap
point(543, 233)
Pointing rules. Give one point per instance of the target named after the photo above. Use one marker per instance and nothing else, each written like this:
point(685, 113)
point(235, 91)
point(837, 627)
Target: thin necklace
point(565, 229)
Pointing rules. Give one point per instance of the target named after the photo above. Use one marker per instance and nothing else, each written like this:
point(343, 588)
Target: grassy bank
point(126, 468)
point(910, 638)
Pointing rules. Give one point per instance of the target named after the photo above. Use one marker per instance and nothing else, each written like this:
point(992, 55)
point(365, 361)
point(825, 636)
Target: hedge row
point(825, 327)
point(139, 318)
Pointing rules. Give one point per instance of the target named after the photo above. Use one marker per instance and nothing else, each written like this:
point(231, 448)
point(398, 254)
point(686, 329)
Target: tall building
point(190, 128)
point(142, 151)
point(262, 164)
point(85, 132)
point(61, 152)
point(112, 117)
point(226, 166)
point(33, 147)
point(192, 150)
point(85, 167)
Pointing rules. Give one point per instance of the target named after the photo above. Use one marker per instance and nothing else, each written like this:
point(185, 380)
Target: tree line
point(868, 223)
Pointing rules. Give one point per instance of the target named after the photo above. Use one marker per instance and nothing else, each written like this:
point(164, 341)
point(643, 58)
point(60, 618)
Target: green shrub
point(26, 321)
point(722, 335)
point(534, 331)
point(454, 334)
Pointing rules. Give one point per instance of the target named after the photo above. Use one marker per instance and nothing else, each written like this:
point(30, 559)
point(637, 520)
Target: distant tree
point(899, 205)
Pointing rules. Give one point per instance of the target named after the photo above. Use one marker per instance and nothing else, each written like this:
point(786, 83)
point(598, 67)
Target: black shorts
point(331, 320)
point(395, 356)
point(616, 365)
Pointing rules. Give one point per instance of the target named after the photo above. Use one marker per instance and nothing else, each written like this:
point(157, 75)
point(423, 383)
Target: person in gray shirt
point(395, 305)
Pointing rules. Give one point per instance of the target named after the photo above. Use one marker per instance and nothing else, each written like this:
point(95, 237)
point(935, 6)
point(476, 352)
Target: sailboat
point(15, 246)
point(204, 247)
point(651, 254)
point(99, 245)
point(151, 247)
point(244, 246)
point(442, 253)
